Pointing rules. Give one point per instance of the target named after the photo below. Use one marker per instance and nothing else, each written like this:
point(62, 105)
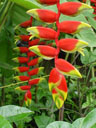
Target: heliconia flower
point(43, 15)
point(72, 45)
point(28, 97)
point(35, 81)
point(42, 32)
point(31, 54)
point(35, 61)
point(20, 59)
point(23, 88)
point(54, 79)
point(59, 93)
point(72, 27)
point(21, 69)
point(77, 7)
point(25, 37)
point(35, 71)
point(21, 78)
point(66, 68)
point(21, 49)
point(46, 52)
point(93, 1)
point(34, 42)
point(47, 2)
point(26, 24)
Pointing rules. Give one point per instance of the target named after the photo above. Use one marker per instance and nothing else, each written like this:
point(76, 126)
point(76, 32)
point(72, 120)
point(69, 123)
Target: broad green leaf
point(59, 124)
point(14, 113)
point(78, 123)
point(89, 36)
point(43, 120)
point(28, 4)
point(92, 22)
point(4, 123)
point(89, 57)
point(90, 120)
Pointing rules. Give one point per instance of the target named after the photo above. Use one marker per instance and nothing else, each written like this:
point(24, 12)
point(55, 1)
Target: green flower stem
point(93, 70)
point(3, 90)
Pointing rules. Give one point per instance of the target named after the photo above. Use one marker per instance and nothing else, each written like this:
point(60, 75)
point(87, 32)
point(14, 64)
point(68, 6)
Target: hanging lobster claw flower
point(66, 68)
point(47, 2)
point(21, 78)
point(21, 69)
point(21, 49)
point(43, 15)
point(35, 61)
point(46, 52)
point(34, 42)
point(72, 45)
point(72, 27)
point(54, 79)
point(35, 81)
point(31, 54)
point(77, 7)
point(23, 88)
point(35, 71)
point(59, 93)
point(28, 97)
point(42, 32)
point(20, 59)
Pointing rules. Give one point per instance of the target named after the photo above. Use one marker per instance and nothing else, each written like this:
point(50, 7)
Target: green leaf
point(14, 113)
point(89, 56)
point(92, 22)
point(78, 123)
point(28, 4)
point(59, 124)
point(4, 123)
point(90, 120)
point(43, 120)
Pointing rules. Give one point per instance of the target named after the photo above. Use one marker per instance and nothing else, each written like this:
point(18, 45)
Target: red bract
point(45, 52)
point(59, 93)
point(24, 37)
point(31, 54)
point(35, 61)
point(47, 2)
point(26, 87)
point(72, 27)
point(35, 71)
point(28, 97)
point(34, 42)
point(20, 59)
point(22, 78)
point(72, 45)
point(21, 69)
point(43, 15)
point(54, 79)
point(42, 32)
point(66, 68)
point(26, 24)
point(21, 49)
point(35, 81)
point(77, 7)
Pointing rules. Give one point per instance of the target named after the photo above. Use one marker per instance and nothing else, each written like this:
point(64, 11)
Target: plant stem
point(2, 91)
point(78, 88)
point(61, 113)
point(93, 75)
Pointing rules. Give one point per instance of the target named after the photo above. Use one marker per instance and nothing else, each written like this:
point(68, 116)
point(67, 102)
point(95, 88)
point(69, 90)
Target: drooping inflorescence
point(57, 81)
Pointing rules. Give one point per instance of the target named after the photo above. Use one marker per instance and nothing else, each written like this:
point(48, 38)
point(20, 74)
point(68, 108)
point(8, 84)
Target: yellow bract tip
point(17, 88)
